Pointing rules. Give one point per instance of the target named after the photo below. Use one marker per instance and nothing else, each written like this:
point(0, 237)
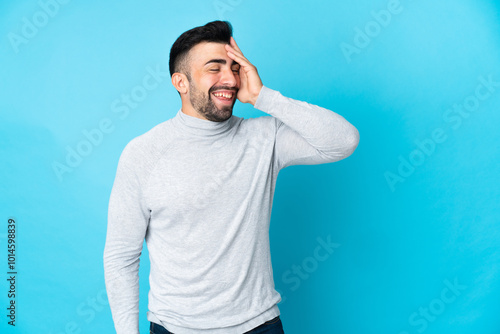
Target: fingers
point(229, 48)
point(234, 45)
point(238, 56)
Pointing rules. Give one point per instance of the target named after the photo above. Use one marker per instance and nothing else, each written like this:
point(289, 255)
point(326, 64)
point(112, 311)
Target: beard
point(206, 107)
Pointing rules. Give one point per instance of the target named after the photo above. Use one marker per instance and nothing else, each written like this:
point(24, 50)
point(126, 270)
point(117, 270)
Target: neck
point(190, 111)
point(200, 126)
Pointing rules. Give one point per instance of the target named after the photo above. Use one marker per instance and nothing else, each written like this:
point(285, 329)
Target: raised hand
point(250, 80)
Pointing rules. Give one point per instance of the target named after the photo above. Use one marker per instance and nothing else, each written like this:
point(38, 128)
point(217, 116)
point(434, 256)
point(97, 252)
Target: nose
point(228, 77)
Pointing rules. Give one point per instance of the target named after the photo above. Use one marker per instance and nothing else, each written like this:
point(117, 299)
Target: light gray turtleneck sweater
point(200, 193)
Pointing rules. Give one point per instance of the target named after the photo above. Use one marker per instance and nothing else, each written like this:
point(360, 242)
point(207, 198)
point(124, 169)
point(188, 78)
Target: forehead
point(203, 52)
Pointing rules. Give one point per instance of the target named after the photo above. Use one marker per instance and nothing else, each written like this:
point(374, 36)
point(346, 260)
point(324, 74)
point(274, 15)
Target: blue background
point(399, 245)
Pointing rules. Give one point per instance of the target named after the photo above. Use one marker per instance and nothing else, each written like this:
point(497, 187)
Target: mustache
point(232, 89)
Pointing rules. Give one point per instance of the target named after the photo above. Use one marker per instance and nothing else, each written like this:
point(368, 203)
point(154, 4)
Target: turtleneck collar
point(199, 126)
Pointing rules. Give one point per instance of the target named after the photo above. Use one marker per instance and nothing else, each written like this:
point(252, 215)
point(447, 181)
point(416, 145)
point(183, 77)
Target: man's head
point(199, 67)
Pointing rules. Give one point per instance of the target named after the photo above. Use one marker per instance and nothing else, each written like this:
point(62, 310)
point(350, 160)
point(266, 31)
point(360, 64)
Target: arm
point(127, 225)
point(306, 134)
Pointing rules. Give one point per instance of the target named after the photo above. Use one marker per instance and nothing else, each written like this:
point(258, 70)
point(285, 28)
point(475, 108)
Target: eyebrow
point(220, 61)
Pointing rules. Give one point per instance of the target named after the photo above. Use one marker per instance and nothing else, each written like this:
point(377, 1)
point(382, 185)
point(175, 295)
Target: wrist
point(253, 100)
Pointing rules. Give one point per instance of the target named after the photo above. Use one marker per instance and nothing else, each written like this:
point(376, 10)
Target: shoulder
point(145, 149)
point(262, 121)
point(265, 126)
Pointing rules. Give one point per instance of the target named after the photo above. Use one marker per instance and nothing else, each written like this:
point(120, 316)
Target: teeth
point(227, 96)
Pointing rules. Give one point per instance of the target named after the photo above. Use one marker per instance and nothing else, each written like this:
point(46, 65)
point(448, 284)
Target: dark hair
point(215, 31)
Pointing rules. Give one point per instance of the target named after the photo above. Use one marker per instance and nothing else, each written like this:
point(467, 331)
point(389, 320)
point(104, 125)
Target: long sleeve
point(307, 134)
point(127, 224)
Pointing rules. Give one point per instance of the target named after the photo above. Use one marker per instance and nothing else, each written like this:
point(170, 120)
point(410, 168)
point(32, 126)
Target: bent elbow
point(352, 141)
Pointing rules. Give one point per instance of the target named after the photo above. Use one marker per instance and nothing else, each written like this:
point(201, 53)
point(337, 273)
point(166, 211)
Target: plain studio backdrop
point(402, 237)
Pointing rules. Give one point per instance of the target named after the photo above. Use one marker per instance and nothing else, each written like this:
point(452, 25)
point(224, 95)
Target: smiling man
point(199, 189)
point(214, 98)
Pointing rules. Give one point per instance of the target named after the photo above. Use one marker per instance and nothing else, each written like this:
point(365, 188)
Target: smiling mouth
point(224, 96)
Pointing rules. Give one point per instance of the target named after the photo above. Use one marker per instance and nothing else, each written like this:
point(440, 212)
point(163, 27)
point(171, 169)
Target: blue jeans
point(273, 326)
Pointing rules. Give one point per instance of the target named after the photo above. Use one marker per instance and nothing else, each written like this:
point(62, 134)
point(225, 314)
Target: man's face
point(213, 73)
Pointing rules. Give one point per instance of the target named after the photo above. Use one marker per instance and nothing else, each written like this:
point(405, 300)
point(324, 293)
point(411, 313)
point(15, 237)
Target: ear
point(180, 82)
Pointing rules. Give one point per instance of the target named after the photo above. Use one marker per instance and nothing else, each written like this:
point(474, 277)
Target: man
point(199, 189)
